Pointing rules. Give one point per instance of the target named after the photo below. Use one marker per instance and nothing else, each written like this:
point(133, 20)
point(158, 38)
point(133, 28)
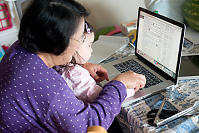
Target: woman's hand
point(96, 71)
point(132, 80)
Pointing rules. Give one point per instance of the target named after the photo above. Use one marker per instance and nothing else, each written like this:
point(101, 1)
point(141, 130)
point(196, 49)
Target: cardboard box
point(127, 27)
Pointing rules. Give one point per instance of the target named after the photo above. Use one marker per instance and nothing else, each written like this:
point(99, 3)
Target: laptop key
point(136, 67)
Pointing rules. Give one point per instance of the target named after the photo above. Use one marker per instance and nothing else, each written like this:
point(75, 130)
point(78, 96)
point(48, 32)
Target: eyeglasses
point(82, 39)
point(87, 30)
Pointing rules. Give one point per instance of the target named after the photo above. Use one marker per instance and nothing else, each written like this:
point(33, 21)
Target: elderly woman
point(34, 97)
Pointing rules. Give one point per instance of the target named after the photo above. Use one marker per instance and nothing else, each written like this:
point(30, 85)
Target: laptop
point(157, 54)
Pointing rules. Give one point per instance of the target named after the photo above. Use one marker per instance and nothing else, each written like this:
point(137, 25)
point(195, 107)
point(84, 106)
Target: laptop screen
point(158, 41)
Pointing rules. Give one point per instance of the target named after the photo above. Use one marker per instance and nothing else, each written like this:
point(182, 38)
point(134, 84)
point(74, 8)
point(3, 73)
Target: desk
point(133, 116)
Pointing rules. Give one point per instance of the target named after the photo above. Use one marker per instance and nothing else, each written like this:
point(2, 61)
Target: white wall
point(110, 12)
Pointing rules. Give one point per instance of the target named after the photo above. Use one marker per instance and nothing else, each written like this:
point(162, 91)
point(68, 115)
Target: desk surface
point(133, 116)
point(189, 66)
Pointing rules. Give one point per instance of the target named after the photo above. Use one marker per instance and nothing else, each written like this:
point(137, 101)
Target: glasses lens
point(88, 28)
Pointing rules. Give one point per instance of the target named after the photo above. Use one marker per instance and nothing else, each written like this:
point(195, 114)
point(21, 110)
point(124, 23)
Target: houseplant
point(191, 13)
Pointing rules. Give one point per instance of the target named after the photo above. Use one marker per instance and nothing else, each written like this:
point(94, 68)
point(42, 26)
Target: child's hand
point(97, 72)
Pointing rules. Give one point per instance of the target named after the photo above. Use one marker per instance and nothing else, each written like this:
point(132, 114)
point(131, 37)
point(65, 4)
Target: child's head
point(84, 52)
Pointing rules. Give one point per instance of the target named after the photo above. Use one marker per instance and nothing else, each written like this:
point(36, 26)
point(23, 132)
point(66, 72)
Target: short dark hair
point(47, 25)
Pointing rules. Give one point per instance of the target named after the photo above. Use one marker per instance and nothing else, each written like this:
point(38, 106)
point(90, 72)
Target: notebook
point(157, 54)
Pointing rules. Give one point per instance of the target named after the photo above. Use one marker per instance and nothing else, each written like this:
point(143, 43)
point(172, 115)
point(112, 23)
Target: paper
point(106, 46)
point(130, 92)
point(189, 48)
point(191, 43)
point(194, 50)
point(192, 35)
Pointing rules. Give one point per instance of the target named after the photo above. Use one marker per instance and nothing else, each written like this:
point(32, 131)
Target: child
point(78, 78)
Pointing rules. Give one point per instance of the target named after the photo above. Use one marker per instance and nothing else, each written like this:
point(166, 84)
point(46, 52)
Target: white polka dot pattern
point(35, 98)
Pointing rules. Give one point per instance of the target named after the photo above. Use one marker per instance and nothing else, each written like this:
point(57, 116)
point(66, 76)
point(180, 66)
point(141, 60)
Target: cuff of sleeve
point(120, 87)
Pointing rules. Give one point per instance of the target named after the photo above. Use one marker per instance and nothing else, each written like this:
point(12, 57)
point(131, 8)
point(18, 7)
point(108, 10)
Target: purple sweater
point(35, 98)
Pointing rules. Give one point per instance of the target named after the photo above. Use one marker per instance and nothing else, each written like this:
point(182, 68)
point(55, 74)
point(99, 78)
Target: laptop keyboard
point(132, 65)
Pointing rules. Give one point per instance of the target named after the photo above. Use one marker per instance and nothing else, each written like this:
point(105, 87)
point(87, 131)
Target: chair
point(96, 129)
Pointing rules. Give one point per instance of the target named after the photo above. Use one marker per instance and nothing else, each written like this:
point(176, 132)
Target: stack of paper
point(105, 46)
point(191, 43)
